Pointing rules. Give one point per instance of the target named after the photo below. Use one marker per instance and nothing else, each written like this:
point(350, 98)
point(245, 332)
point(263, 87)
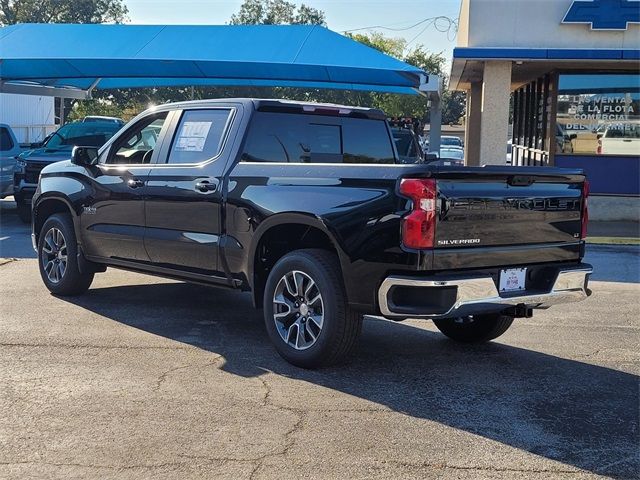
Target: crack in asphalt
point(163, 376)
point(101, 347)
point(289, 442)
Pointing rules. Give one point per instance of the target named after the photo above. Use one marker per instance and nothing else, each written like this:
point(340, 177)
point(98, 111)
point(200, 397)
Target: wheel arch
point(48, 205)
point(268, 246)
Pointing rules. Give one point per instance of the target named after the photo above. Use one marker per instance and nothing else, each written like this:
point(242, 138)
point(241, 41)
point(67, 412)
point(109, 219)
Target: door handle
point(206, 186)
point(135, 183)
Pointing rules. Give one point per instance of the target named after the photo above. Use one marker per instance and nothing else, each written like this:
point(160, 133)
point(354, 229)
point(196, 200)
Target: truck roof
point(282, 105)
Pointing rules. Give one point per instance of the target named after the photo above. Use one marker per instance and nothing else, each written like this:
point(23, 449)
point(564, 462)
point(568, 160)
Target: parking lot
point(150, 378)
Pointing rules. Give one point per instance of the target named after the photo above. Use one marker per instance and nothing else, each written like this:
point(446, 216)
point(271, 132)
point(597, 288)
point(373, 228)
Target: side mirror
point(599, 136)
point(573, 136)
point(86, 156)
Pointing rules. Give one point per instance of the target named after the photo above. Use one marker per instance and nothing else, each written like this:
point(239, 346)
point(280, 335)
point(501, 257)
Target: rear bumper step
point(423, 297)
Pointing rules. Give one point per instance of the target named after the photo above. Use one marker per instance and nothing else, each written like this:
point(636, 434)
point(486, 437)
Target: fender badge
point(89, 210)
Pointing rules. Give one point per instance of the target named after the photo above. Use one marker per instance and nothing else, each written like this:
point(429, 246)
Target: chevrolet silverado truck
point(309, 208)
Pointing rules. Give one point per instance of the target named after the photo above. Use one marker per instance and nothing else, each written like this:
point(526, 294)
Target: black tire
point(341, 325)
point(475, 329)
point(71, 280)
point(24, 210)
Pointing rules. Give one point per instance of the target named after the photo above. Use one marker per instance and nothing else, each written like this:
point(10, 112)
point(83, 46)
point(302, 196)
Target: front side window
point(136, 146)
point(6, 142)
point(94, 134)
point(200, 135)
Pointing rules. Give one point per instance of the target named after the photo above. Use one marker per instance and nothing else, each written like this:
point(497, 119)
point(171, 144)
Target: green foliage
point(391, 46)
point(453, 106)
point(84, 108)
point(62, 11)
point(405, 105)
point(276, 12)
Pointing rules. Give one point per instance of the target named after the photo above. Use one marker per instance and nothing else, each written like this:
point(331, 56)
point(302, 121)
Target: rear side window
point(366, 141)
point(284, 137)
point(299, 138)
point(6, 142)
point(200, 135)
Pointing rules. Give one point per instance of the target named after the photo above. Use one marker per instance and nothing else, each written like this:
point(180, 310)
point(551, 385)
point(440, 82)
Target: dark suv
point(57, 147)
point(309, 207)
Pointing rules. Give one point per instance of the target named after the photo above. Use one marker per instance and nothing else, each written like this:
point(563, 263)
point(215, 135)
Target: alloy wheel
point(54, 255)
point(298, 310)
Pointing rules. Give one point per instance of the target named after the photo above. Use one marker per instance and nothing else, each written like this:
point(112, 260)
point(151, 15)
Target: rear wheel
point(474, 328)
point(57, 257)
point(306, 312)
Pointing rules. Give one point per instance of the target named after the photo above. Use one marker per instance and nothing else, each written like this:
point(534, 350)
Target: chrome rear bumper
point(478, 294)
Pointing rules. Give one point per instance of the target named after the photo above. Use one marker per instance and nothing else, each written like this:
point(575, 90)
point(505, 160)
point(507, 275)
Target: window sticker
point(193, 136)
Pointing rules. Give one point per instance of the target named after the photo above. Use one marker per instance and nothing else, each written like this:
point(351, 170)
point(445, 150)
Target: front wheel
point(58, 257)
point(474, 328)
point(306, 312)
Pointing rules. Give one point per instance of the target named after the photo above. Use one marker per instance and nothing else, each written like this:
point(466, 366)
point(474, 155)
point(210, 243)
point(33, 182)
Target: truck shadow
point(564, 410)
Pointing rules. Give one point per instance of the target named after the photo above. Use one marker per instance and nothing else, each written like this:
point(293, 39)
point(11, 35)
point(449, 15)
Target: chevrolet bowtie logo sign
point(604, 14)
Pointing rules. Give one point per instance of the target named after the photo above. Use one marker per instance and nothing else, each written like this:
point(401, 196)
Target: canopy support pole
point(435, 124)
point(93, 85)
point(431, 86)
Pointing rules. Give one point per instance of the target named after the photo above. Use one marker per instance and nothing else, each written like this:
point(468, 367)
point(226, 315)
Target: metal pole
point(61, 114)
point(435, 123)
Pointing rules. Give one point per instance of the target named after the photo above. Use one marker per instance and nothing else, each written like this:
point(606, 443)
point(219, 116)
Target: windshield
point(451, 141)
point(92, 134)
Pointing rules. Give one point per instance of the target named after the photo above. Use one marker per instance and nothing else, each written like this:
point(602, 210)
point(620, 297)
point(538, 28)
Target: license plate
point(512, 279)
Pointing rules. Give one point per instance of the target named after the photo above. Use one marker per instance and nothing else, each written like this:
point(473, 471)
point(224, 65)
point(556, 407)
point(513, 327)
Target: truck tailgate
point(508, 206)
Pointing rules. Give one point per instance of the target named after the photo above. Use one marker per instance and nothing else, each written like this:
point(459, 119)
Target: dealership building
point(555, 82)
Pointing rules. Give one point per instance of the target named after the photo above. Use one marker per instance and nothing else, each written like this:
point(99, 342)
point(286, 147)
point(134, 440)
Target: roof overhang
point(71, 60)
point(530, 63)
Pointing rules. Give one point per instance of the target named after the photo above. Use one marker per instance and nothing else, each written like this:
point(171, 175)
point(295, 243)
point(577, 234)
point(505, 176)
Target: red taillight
point(599, 148)
point(419, 226)
point(585, 209)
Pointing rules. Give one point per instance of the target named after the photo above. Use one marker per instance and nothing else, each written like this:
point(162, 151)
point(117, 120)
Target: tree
point(453, 106)
point(62, 11)
point(276, 12)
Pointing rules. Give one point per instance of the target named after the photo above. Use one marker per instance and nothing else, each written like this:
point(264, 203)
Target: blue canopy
point(86, 56)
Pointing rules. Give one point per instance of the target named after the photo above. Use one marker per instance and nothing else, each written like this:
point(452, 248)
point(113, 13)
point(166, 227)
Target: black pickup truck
point(309, 207)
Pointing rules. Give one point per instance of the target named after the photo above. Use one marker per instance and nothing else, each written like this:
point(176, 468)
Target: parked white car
point(621, 138)
point(450, 141)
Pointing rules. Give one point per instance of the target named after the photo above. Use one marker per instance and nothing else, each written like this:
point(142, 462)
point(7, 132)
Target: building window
point(598, 114)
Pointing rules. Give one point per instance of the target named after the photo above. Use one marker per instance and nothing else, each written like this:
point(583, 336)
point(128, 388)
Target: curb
point(613, 241)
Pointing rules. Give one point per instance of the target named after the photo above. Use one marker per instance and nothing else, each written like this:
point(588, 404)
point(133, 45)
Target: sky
point(341, 15)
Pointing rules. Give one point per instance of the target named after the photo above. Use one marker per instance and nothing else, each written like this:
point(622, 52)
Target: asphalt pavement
point(149, 378)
